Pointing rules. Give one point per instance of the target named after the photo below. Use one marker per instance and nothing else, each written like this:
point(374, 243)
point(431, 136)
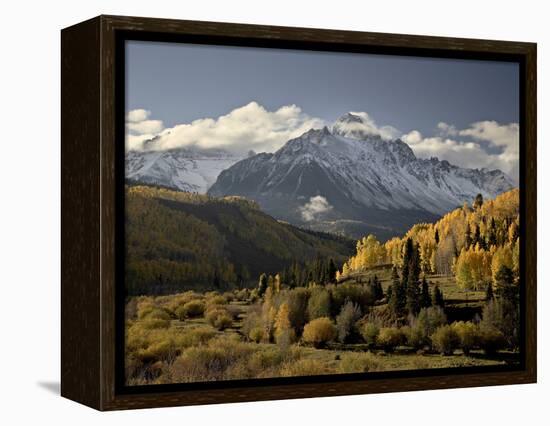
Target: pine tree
point(436, 237)
point(413, 281)
point(492, 237)
point(478, 201)
point(505, 287)
point(477, 236)
point(332, 271)
point(262, 285)
point(468, 237)
point(398, 297)
point(425, 298)
point(376, 288)
point(437, 297)
point(407, 255)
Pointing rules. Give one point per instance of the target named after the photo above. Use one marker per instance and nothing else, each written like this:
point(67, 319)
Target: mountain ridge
point(361, 177)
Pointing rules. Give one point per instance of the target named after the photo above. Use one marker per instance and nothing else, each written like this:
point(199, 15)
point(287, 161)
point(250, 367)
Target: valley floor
point(164, 345)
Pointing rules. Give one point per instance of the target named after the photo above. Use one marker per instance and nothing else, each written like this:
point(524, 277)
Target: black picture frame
point(93, 110)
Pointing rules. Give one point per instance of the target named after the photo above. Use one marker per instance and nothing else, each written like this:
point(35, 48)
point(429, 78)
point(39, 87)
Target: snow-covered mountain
point(186, 169)
point(349, 180)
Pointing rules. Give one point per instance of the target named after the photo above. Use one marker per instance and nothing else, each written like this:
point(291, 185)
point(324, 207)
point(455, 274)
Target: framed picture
point(254, 212)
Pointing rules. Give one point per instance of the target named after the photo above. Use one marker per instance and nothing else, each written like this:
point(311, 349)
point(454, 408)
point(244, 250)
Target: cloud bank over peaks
point(359, 124)
point(250, 127)
point(483, 144)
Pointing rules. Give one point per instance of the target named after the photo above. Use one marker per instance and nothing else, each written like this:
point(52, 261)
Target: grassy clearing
point(454, 296)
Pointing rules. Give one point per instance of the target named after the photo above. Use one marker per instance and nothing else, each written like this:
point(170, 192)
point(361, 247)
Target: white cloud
point(367, 126)
point(140, 129)
point(504, 135)
point(412, 138)
point(248, 127)
point(315, 207)
point(145, 127)
point(503, 138)
point(446, 129)
point(137, 115)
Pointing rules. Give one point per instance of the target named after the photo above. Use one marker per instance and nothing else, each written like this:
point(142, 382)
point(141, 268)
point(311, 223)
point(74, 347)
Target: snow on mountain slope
point(358, 177)
point(186, 169)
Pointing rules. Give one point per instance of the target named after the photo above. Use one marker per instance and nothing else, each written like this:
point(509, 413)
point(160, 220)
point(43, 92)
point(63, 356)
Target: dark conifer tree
point(436, 237)
point(375, 287)
point(413, 282)
point(332, 271)
point(425, 298)
point(468, 237)
point(389, 292)
point(437, 297)
point(477, 236)
point(492, 237)
point(398, 296)
point(407, 255)
point(478, 201)
point(506, 288)
point(262, 284)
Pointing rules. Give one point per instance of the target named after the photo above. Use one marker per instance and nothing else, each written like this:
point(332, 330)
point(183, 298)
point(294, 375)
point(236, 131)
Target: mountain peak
point(349, 117)
point(354, 126)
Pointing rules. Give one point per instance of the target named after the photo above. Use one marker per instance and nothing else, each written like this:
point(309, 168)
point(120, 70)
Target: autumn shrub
point(491, 340)
point(430, 319)
point(229, 296)
point(361, 296)
point(253, 320)
point(195, 336)
point(503, 316)
point(219, 318)
point(216, 361)
point(159, 350)
point(303, 367)
point(284, 333)
point(319, 303)
point(144, 306)
point(468, 335)
point(297, 301)
point(180, 299)
point(423, 326)
point(149, 323)
point(266, 359)
point(356, 362)
point(256, 334)
point(445, 340)
point(345, 321)
point(415, 336)
point(319, 332)
point(369, 332)
point(192, 309)
point(242, 295)
point(390, 337)
point(215, 300)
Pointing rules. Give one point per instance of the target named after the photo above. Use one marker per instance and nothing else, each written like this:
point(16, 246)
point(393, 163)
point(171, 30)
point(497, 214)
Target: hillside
point(177, 241)
point(471, 243)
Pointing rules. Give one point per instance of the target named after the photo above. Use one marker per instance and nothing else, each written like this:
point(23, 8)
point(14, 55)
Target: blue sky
point(421, 98)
